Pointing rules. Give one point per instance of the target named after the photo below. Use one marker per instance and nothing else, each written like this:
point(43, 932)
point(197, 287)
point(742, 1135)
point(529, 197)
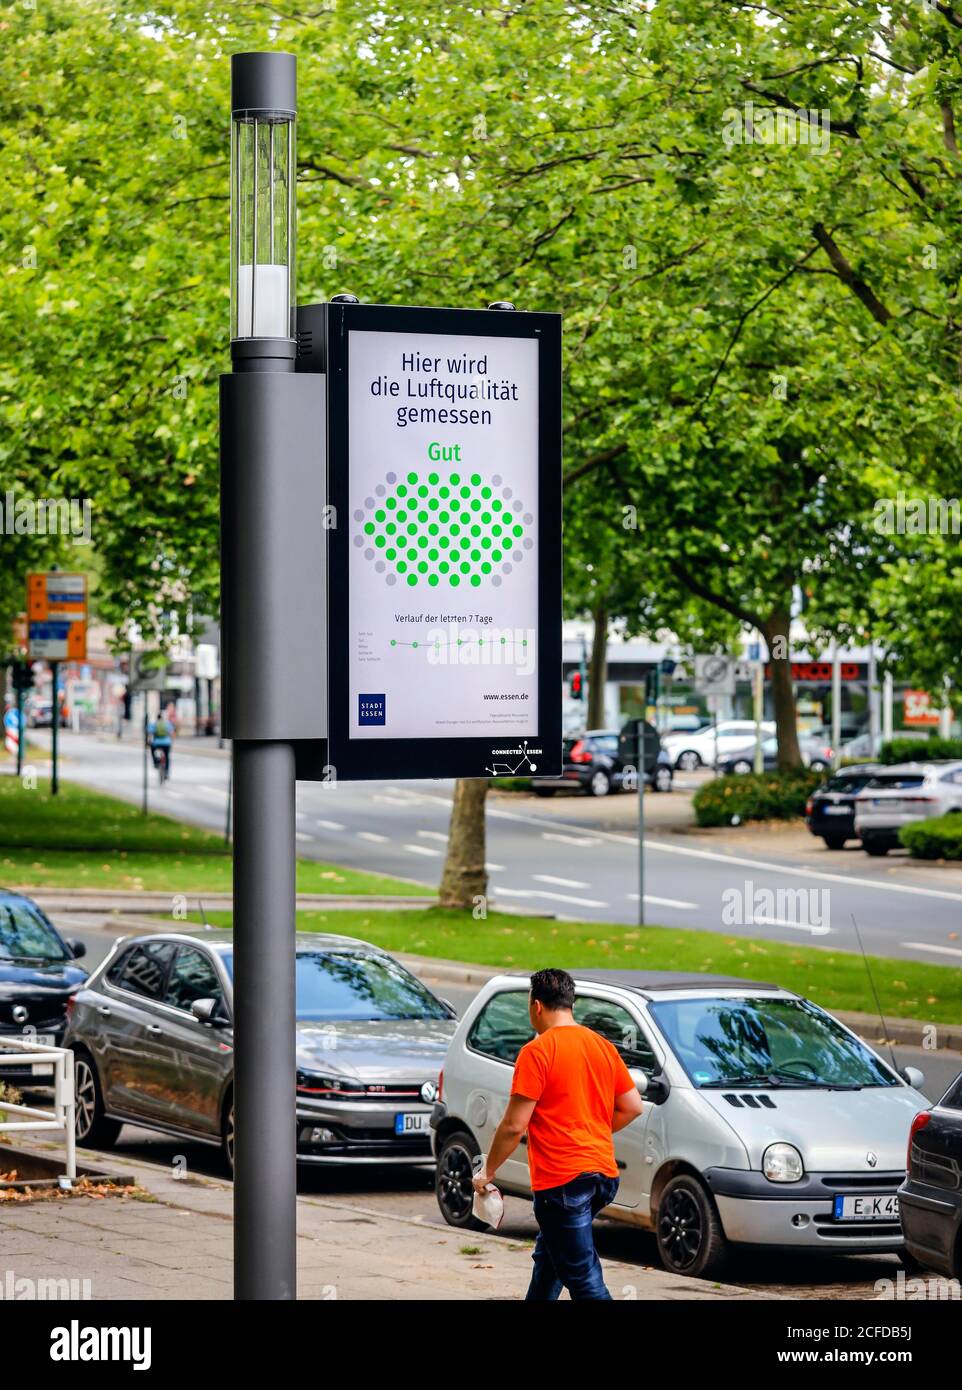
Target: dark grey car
point(153, 1046)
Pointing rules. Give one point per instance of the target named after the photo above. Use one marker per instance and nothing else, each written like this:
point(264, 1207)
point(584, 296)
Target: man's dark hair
point(555, 989)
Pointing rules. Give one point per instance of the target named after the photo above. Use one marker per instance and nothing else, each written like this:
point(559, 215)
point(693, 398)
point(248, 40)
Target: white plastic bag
point(488, 1206)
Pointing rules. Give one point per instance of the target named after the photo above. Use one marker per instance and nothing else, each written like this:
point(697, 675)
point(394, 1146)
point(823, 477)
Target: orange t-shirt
point(574, 1075)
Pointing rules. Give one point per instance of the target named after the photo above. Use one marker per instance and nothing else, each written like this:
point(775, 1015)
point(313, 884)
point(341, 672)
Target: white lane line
point(175, 796)
point(433, 835)
point(390, 800)
point(301, 835)
point(423, 849)
point(560, 882)
point(374, 838)
point(570, 839)
point(552, 897)
point(330, 825)
point(663, 902)
point(495, 868)
point(923, 946)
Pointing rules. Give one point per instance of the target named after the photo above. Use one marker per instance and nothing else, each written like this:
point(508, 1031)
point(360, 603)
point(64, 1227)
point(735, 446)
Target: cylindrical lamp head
point(263, 180)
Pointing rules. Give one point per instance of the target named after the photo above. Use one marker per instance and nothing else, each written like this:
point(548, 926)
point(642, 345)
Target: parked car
point(39, 712)
point(830, 811)
point(816, 754)
point(152, 1039)
point(862, 746)
point(693, 750)
point(38, 977)
point(766, 1123)
point(930, 1199)
point(595, 763)
point(901, 795)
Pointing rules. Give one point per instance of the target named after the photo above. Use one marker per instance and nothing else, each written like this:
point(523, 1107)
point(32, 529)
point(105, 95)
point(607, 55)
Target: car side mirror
point(913, 1076)
point(640, 1079)
point(76, 948)
point(653, 1088)
point(208, 1011)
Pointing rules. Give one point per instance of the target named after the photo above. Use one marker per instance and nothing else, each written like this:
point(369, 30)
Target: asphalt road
point(577, 857)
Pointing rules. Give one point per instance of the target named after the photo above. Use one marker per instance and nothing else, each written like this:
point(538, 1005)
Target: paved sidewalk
point(175, 1243)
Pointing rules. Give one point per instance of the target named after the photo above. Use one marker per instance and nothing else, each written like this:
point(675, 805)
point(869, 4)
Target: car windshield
point(766, 1042)
point(344, 985)
point(24, 935)
point(852, 783)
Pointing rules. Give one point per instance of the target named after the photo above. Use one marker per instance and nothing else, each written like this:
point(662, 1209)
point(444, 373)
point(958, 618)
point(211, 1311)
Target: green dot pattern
point(482, 532)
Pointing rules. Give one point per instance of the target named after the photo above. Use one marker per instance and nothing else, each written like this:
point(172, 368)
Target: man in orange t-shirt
point(571, 1091)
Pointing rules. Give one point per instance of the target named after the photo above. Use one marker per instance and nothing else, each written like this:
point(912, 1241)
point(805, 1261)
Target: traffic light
point(22, 673)
point(576, 686)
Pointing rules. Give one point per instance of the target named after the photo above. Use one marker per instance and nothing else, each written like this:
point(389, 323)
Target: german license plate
point(866, 1208)
point(412, 1124)
point(838, 810)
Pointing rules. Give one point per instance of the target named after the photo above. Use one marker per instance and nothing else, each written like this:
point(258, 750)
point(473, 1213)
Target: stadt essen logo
point(372, 710)
point(444, 529)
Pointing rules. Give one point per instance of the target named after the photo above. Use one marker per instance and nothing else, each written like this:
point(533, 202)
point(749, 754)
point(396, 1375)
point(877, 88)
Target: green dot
point(412, 478)
point(412, 528)
point(454, 479)
point(443, 542)
point(444, 566)
point(455, 529)
point(390, 504)
point(412, 555)
point(486, 542)
point(413, 579)
point(455, 505)
point(401, 490)
point(465, 492)
point(486, 569)
point(380, 542)
point(475, 504)
point(423, 542)
point(393, 642)
point(496, 505)
point(480, 641)
point(444, 516)
point(459, 642)
point(476, 479)
point(432, 479)
point(485, 492)
point(524, 641)
point(475, 580)
point(422, 517)
point(391, 554)
point(496, 555)
point(369, 528)
point(432, 580)
point(475, 555)
point(454, 581)
point(422, 491)
point(390, 528)
point(464, 567)
point(402, 516)
point(413, 644)
point(432, 554)
point(464, 543)
point(495, 530)
point(503, 639)
point(444, 491)
point(433, 529)
point(517, 530)
point(379, 515)
point(486, 518)
point(401, 566)
point(422, 567)
point(434, 504)
point(475, 530)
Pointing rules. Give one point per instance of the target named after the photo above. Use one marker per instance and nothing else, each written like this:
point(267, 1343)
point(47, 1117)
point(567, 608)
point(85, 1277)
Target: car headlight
point(782, 1163)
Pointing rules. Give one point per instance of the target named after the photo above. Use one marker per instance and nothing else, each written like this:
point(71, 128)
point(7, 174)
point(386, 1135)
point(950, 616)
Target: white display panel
point(443, 524)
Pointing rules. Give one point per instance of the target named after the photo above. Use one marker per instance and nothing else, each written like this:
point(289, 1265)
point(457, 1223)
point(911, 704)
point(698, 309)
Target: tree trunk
point(465, 877)
point(598, 670)
point(783, 690)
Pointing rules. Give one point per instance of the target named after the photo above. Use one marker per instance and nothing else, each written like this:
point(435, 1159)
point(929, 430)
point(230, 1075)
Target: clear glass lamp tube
point(263, 178)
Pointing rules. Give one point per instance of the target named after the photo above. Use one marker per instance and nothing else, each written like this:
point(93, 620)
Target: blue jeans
point(564, 1253)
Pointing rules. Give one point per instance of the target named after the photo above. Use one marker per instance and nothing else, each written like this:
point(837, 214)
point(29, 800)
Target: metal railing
point(17, 1052)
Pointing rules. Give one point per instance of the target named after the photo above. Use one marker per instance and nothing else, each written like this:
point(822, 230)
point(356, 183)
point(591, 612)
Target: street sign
point(11, 730)
point(57, 616)
point(444, 470)
point(148, 671)
point(715, 675)
point(918, 711)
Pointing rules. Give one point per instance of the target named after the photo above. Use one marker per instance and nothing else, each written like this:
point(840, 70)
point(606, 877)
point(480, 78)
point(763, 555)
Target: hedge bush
point(910, 750)
point(767, 796)
point(938, 838)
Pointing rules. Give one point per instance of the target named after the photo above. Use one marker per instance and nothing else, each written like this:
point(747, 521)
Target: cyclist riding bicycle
point(161, 735)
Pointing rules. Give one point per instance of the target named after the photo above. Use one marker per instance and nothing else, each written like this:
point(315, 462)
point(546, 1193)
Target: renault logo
point(429, 1092)
point(20, 1013)
point(871, 1159)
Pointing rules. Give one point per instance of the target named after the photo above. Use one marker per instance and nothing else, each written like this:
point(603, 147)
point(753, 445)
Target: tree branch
point(847, 275)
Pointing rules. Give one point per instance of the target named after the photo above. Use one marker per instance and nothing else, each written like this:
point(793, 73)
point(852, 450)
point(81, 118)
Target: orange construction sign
point(57, 616)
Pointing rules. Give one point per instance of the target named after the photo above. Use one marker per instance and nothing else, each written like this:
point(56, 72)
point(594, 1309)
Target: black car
point(595, 762)
point(930, 1199)
point(830, 811)
point(37, 977)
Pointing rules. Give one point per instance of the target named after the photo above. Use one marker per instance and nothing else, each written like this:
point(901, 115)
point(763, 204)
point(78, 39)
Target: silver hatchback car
point(766, 1123)
point(902, 794)
point(152, 1036)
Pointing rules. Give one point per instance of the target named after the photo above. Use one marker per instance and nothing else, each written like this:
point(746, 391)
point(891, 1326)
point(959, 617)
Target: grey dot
point(528, 543)
point(516, 506)
point(496, 580)
point(392, 579)
point(391, 477)
point(369, 554)
point(380, 566)
point(507, 494)
point(380, 490)
point(369, 502)
point(358, 515)
point(527, 518)
point(496, 480)
point(358, 540)
point(517, 557)
point(507, 566)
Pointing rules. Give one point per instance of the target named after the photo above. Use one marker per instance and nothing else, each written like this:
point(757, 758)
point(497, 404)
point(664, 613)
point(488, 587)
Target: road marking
point(433, 835)
point(495, 868)
point(301, 835)
point(176, 796)
point(423, 849)
point(330, 825)
point(374, 838)
point(663, 902)
point(561, 882)
point(922, 946)
point(781, 922)
point(569, 839)
point(553, 897)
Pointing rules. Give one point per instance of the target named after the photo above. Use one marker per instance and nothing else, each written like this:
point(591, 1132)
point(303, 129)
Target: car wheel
point(875, 847)
point(227, 1134)
point(742, 768)
point(834, 841)
point(689, 761)
point(600, 784)
point(818, 765)
point(91, 1126)
point(453, 1181)
point(689, 1233)
point(661, 782)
